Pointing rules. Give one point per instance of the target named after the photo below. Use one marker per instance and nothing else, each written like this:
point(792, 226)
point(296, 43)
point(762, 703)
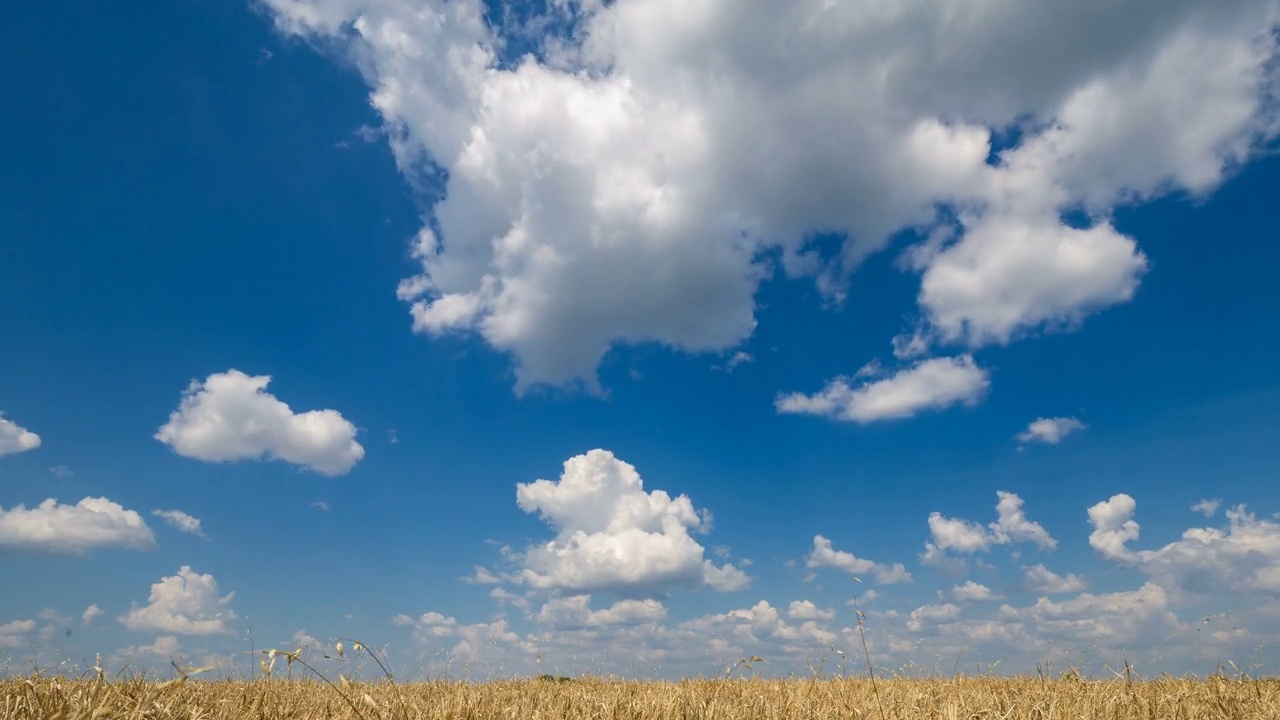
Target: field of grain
point(932, 699)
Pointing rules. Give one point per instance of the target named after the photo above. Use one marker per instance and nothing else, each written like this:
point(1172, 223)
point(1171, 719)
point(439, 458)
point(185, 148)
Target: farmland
point(589, 699)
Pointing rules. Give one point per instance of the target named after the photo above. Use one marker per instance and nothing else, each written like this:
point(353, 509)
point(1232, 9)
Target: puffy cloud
point(824, 555)
point(963, 536)
point(187, 603)
point(1244, 557)
point(971, 591)
point(1039, 579)
point(613, 536)
point(16, 632)
point(91, 613)
point(575, 612)
point(926, 617)
point(763, 624)
point(629, 181)
point(1106, 619)
point(1208, 508)
point(75, 529)
point(1012, 525)
point(806, 610)
point(16, 439)
point(1050, 430)
point(930, 384)
point(1113, 526)
point(180, 520)
point(967, 537)
point(230, 416)
point(1010, 274)
point(164, 647)
point(466, 644)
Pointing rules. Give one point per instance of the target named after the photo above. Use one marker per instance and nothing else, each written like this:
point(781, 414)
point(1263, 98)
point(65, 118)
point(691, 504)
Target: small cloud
point(320, 505)
point(931, 384)
point(1039, 579)
point(91, 613)
point(181, 521)
point(613, 535)
point(971, 592)
point(1207, 507)
point(734, 361)
point(230, 416)
point(184, 604)
point(824, 555)
point(806, 610)
point(482, 576)
point(393, 437)
point(1050, 430)
point(16, 439)
point(61, 471)
point(74, 529)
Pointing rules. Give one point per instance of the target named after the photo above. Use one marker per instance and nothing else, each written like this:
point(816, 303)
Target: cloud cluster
point(632, 180)
point(16, 632)
point(966, 537)
point(1148, 624)
point(612, 535)
point(74, 529)
point(230, 416)
point(1244, 557)
point(574, 612)
point(16, 439)
point(187, 603)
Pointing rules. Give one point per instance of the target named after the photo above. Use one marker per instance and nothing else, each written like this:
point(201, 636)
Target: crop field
point(964, 698)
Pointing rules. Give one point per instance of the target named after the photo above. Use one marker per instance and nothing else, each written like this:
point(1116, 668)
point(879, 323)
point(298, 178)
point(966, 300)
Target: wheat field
point(962, 698)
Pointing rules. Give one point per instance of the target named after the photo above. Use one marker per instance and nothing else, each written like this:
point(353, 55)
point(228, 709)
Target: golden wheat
point(935, 699)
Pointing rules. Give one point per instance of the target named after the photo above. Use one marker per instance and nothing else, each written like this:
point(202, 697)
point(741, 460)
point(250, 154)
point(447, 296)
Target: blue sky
point(341, 281)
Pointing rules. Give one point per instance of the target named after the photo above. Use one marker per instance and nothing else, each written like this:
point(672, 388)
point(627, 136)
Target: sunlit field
point(1040, 698)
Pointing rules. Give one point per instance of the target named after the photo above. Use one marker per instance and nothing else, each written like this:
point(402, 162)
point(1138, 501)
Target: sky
point(640, 337)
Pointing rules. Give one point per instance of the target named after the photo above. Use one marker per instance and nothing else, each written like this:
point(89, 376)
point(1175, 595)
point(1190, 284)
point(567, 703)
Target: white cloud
point(626, 187)
point(967, 537)
point(91, 613)
point(1039, 579)
point(1113, 526)
point(575, 612)
point(930, 384)
point(1010, 274)
point(1208, 508)
point(1243, 557)
point(180, 520)
point(164, 647)
point(962, 536)
point(230, 416)
point(1106, 619)
point(1012, 525)
point(824, 555)
point(971, 591)
point(75, 529)
point(17, 633)
point(15, 439)
point(806, 610)
point(1050, 430)
point(612, 535)
point(187, 603)
point(738, 358)
point(61, 471)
